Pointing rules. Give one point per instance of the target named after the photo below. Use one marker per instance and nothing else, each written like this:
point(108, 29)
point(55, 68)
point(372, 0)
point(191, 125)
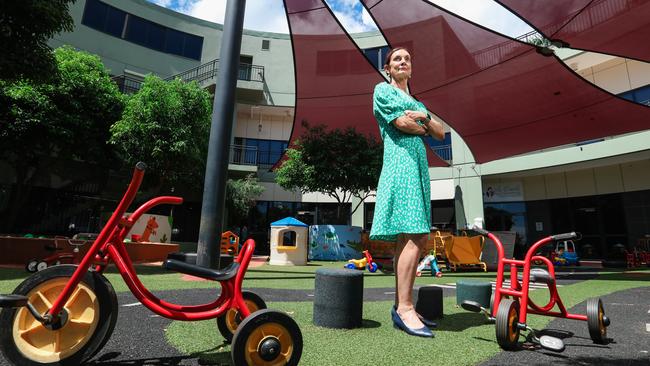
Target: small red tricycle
point(57, 256)
point(510, 306)
point(65, 314)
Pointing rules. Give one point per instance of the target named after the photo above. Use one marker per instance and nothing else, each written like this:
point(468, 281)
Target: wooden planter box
point(19, 250)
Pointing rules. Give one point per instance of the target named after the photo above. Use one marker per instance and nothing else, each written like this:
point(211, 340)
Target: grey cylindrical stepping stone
point(338, 298)
point(429, 303)
point(474, 291)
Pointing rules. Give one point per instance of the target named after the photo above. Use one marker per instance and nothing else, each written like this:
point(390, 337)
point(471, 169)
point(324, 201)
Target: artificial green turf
point(156, 278)
point(462, 338)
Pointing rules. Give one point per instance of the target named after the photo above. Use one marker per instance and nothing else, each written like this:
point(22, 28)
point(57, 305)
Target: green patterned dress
point(403, 194)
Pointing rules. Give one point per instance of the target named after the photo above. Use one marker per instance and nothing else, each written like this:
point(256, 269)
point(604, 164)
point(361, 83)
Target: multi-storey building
point(600, 188)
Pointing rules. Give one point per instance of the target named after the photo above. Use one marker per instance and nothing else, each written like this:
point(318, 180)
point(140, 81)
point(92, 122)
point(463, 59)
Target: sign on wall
point(151, 228)
point(503, 192)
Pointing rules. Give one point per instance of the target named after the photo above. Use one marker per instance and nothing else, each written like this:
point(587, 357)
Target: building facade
point(600, 188)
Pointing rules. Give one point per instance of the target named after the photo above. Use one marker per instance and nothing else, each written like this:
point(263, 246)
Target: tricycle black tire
point(507, 321)
point(595, 322)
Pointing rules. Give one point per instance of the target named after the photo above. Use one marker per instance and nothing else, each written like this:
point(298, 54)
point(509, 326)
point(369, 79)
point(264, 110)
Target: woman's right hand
point(409, 125)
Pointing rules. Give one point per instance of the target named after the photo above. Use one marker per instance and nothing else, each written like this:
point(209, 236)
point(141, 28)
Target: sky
point(268, 15)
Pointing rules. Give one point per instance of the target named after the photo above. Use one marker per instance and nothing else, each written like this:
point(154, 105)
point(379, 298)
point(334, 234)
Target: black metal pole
point(216, 169)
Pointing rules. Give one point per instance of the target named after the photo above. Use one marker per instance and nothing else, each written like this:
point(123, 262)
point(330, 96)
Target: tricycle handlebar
point(565, 236)
point(479, 230)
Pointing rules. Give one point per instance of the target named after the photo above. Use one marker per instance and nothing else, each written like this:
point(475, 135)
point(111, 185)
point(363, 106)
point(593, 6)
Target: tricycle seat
point(203, 272)
point(539, 275)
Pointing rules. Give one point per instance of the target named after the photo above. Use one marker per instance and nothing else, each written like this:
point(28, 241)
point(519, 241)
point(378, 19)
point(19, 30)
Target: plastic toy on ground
point(465, 252)
point(429, 263)
point(566, 253)
point(511, 306)
point(57, 257)
point(65, 314)
point(365, 262)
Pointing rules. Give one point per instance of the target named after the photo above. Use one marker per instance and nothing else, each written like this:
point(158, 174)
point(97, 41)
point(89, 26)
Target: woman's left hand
point(416, 115)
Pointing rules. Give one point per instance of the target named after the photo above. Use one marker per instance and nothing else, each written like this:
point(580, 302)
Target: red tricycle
point(510, 306)
point(57, 257)
point(65, 314)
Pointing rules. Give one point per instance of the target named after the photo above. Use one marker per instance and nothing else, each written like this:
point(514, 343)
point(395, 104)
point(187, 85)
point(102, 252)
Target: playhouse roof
point(289, 221)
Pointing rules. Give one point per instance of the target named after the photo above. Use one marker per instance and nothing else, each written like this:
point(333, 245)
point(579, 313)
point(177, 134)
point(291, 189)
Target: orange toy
point(229, 243)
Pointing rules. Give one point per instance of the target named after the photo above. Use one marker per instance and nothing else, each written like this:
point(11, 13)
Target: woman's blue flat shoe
point(398, 323)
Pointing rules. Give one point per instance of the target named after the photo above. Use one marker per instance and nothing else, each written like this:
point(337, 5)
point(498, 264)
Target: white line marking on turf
point(443, 286)
point(133, 304)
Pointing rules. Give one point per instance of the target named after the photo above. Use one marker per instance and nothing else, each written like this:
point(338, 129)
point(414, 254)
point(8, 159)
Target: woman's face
point(399, 67)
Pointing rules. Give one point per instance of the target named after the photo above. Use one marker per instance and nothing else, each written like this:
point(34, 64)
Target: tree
point(339, 163)
point(25, 28)
point(67, 118)
point(166, 125)
point(241, 195)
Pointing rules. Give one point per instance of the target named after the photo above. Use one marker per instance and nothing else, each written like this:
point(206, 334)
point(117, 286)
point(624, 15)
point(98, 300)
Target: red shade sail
point(334, 80)
point(498, 93)
point(615, 27)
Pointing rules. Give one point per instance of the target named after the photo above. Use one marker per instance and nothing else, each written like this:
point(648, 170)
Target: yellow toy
point(365, 262)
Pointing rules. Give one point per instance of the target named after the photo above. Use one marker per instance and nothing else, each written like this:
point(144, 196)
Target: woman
point(403, 208)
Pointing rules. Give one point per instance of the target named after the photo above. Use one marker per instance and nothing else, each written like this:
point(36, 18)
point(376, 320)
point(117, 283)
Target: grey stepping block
point(338, 298)
point(474, 291)
point(429, 303)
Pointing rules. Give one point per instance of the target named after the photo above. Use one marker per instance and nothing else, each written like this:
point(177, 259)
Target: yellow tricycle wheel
point(267, 338)
point(43, 345)
point(229, 322)
point(86, 321)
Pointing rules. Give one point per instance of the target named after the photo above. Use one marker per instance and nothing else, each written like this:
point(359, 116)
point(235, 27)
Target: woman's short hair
point(390, 54)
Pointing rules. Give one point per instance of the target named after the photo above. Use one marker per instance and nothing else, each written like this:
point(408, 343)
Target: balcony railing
point(443, 151)
point(201, 73)
point(243, 155)
point(127, 84)
point(210, 69)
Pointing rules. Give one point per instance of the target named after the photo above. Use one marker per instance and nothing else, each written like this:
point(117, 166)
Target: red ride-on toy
point(512, 305)
point(56, 257)
point(65, 314)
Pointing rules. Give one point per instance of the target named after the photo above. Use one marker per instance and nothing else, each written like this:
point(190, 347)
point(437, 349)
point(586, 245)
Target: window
point(193, 46)
point(113, 21)
point(289, 239)
point(104, 18)
point(95, 14)
point(441, 148)
point(640, 95)
point(376, 56)
point(268, 151)
point(156, 37)
point(266, 45)
point(136, 30)
point(245, 65)
point(174, 41)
